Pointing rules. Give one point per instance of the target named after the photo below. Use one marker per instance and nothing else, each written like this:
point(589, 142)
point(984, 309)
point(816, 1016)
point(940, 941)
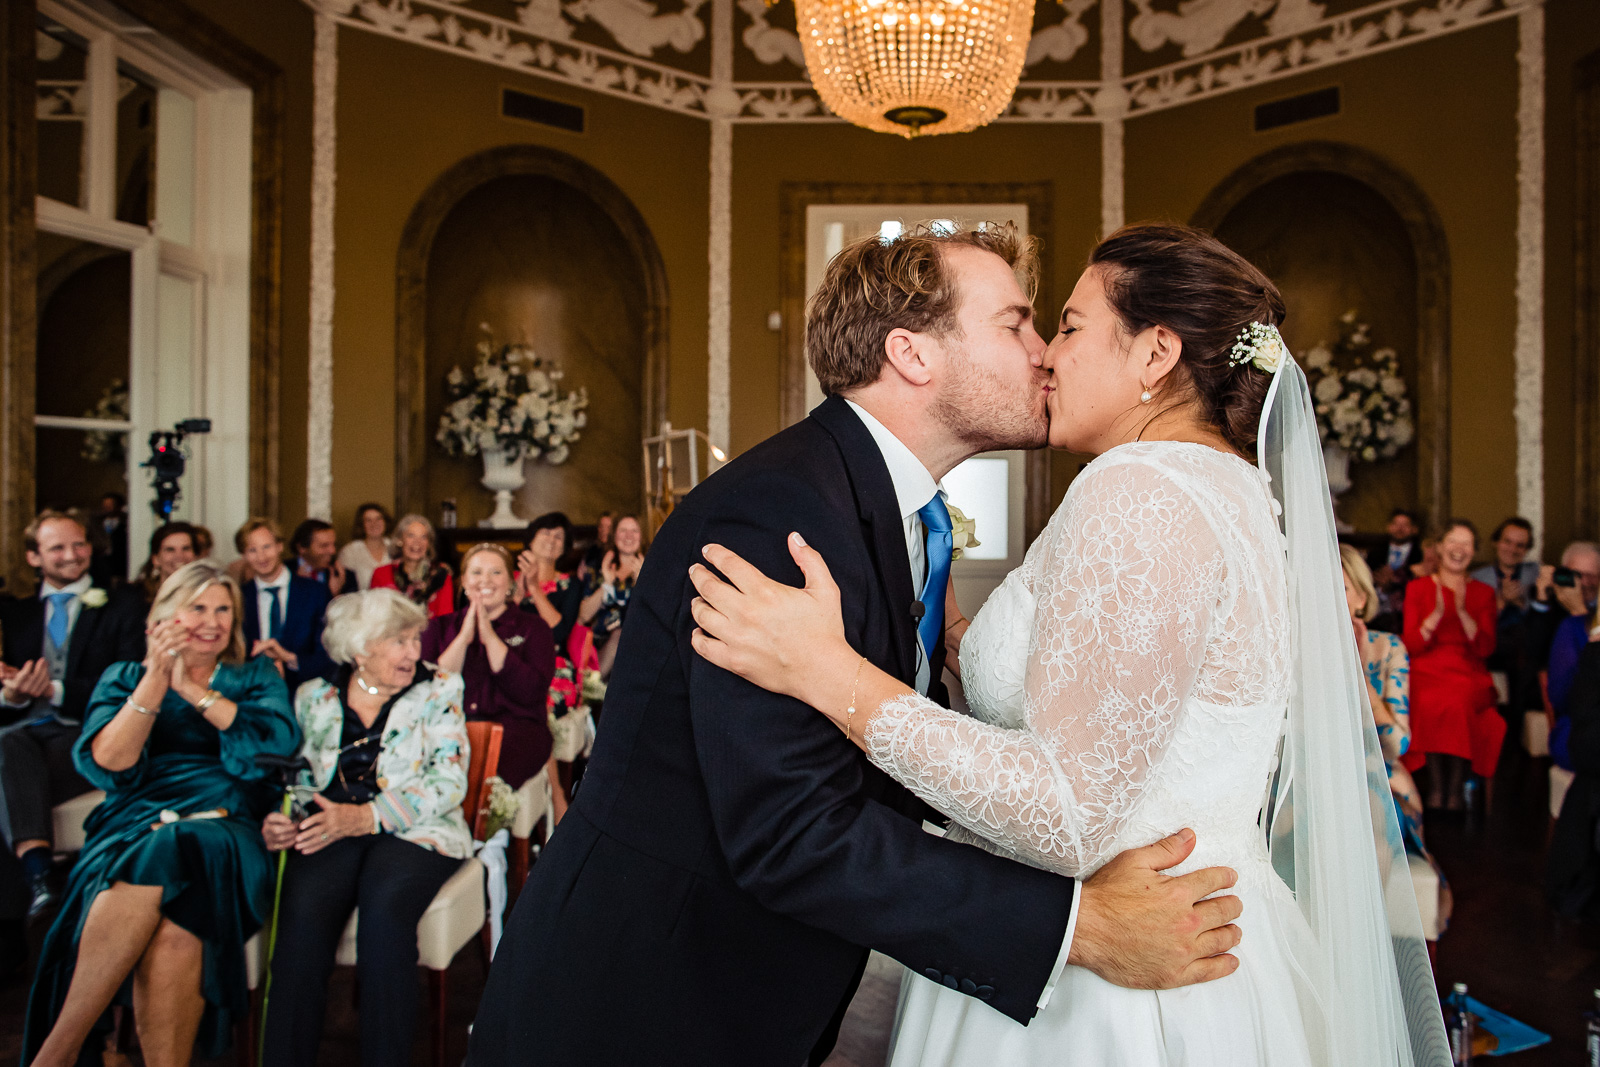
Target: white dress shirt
point(914, 487)
point(74, 608)
point(265, 591)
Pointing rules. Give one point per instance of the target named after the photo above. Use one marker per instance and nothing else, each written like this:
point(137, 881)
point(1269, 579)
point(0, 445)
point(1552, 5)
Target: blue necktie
point(57, 626)
point(936, 517)
point(275, 612)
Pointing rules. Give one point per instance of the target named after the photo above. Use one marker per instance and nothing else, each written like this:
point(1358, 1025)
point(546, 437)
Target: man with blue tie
point(283, 612)
point(57, 644)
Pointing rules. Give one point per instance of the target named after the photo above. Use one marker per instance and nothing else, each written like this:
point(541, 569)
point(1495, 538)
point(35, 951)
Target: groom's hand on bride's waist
point(1143, 929)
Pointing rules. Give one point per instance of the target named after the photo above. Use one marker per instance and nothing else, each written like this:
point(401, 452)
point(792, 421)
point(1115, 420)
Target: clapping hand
point(608, 567)
point(321, 829)
point(25, 683)
point(336, 575)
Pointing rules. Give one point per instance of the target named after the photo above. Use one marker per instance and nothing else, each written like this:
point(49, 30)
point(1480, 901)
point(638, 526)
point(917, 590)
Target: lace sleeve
point(1130, 579)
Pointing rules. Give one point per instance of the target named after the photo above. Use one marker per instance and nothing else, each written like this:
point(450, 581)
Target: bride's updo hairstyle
point(1206, 293)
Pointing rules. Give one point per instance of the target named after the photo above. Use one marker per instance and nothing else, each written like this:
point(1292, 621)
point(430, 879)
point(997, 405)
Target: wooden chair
point(459, 911)
point(535, 822)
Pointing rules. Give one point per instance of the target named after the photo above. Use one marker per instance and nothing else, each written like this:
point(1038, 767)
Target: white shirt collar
point(77, 588)
point(913, 485)
point(280, 582)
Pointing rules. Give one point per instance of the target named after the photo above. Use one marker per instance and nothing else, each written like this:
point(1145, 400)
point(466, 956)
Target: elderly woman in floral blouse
point(387, 744)
point(1388, 670)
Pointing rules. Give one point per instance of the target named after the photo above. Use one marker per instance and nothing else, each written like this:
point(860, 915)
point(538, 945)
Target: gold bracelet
point(140, 708)
point(850, 712)
point(211, 697)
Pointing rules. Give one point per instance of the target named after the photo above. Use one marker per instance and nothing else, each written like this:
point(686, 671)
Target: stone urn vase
point(502, 475)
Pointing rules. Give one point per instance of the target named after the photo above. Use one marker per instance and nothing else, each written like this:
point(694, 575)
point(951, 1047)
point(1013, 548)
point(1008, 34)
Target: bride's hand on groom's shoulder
point(1143, 929)
point(774, 635)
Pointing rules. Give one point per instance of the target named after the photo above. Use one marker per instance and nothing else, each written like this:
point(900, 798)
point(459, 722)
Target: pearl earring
point(1144, 397)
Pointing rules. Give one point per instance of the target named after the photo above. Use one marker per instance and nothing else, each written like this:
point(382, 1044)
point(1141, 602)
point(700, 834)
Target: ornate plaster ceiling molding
point(1298, 38)
point(1318, 43)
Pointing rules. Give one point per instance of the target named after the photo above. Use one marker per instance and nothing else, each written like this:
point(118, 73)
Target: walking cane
point(283, 769)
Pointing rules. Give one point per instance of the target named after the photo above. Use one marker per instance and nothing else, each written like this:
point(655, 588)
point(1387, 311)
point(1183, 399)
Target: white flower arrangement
point(1360, 395)
point(107, 446)
point(502, 802)
point(963, 532)
point(511, 400)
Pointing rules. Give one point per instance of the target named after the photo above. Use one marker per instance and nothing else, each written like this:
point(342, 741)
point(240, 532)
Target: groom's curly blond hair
point(875, 286)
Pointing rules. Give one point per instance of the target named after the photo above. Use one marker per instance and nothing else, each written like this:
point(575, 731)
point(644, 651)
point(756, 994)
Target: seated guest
point(171, 546)
point(1572, 883)
point(598, 547)
point(1388, 674)
point(415, 570)
point(203, 541)
point(173, 878)
point(1563, 593)
point(113, 523)
point(369, 544)
point(387, 745)
point(1566, 648)
point(1512, 575)
point(57, 644)
point(316, 550)
point(505, 657)
point(283, 612)
point(607, 604)
point(1449, 631)
point(554, 595)
point(1391, 562)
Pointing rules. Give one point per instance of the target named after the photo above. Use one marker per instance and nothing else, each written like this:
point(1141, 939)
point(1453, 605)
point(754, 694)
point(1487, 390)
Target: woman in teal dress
point(174, 877)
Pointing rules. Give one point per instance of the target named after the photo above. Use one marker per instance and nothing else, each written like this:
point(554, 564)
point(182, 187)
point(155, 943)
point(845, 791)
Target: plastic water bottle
point(1458, 1026)
point(1591, 1029)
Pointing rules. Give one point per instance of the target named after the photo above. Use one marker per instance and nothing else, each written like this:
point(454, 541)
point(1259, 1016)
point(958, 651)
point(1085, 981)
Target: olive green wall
point(1444, 112)
point(406, 114)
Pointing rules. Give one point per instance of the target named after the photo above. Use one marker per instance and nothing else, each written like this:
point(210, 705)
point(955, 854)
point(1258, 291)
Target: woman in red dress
point(1450, 631)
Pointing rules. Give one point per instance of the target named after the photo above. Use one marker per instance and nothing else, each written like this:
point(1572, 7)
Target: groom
point(711, 895)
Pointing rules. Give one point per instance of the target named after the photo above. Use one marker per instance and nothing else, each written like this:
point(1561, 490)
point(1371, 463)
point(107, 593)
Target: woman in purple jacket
point(505, 657)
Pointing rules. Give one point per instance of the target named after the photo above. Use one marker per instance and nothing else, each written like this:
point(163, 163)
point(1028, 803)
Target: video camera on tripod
point(167, 463)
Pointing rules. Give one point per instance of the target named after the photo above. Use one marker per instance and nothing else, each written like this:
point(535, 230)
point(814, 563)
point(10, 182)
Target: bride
point(1170, 654)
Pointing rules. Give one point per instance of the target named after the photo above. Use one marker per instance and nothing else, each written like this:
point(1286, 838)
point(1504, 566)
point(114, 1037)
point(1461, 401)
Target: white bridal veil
point(1331, 801)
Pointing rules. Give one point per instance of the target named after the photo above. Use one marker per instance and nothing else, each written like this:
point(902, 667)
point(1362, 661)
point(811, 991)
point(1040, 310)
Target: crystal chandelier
point(915, 66)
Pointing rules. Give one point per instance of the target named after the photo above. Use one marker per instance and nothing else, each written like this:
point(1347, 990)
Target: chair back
point(484, 762)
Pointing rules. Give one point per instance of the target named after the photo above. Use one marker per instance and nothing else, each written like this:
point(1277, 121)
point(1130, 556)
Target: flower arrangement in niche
point(1360, 395)
point(107, 446)
point(512, 400)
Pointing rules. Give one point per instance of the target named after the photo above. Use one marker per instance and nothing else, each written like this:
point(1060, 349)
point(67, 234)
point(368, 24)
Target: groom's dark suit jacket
point(710, 897)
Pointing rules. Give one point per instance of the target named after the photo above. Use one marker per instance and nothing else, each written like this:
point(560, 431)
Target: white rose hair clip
point(1259, 343)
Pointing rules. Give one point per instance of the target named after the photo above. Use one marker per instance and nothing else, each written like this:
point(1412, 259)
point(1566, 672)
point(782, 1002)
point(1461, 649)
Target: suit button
point(985, 992)
point(968, 986)
point(950, 981)
point(934, 973)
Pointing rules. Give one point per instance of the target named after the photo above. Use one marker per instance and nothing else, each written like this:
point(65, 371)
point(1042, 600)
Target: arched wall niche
point(1283, 210)
point(527, 201)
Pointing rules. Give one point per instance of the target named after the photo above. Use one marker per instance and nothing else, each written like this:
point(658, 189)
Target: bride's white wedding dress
point(1128, 680)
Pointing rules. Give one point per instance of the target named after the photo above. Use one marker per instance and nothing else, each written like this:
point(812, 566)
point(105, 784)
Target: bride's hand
point(774, 635)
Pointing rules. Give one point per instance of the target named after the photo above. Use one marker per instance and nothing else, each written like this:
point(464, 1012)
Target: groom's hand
point(1143, 929)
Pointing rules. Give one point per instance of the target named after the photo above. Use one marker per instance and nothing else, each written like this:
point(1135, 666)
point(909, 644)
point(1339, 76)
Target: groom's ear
point(1159, 348)
point(907, 355)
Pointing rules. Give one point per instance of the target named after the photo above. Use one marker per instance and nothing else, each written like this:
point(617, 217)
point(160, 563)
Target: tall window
point(144, 268)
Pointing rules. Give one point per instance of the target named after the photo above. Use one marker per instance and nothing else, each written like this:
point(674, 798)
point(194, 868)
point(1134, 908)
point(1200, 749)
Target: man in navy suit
point(57, 644)
point(283, 612)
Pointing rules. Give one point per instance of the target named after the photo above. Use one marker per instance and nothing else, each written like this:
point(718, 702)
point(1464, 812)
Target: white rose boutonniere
point(963, 532)
point(93, 598)
point(515, 639)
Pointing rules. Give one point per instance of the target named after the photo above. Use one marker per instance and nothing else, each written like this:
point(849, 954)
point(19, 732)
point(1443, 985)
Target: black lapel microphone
point(918, 610)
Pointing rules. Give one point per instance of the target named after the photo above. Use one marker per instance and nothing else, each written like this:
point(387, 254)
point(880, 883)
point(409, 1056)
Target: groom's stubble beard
point(984, 412)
